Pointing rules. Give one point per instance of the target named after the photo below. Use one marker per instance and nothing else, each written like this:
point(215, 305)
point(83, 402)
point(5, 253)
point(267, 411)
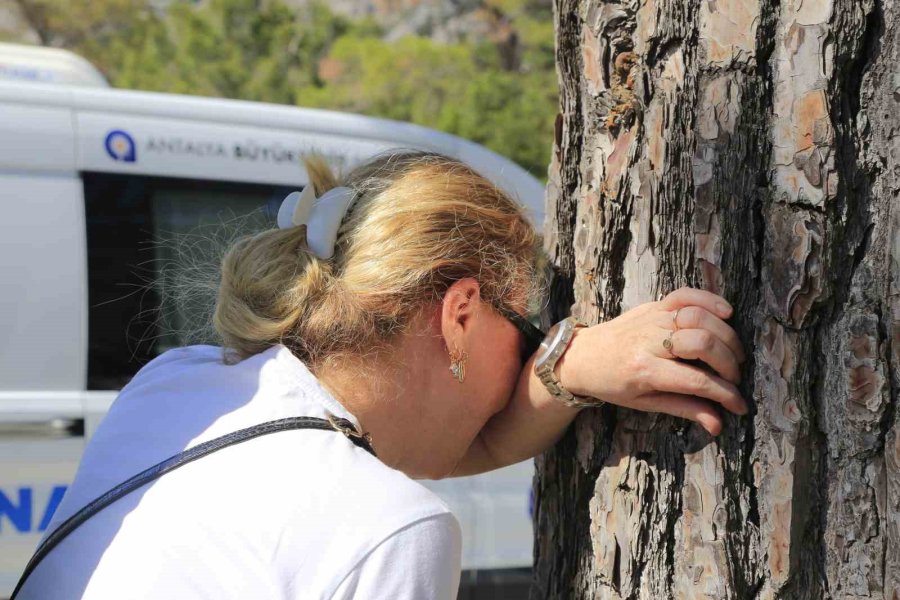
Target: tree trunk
point(746, 147)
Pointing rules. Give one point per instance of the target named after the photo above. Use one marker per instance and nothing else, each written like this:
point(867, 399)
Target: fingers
point(703, 345)
point(672, 376)
point(686, 407)
point(695, 317)
point(688, 296)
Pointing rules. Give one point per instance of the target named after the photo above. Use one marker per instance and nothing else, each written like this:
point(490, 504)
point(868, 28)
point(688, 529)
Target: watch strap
point(547, 373)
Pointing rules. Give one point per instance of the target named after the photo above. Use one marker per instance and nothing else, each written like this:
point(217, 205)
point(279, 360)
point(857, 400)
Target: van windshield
point(152, 242)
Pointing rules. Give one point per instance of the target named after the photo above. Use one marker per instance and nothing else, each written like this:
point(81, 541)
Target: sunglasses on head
point(533, 336)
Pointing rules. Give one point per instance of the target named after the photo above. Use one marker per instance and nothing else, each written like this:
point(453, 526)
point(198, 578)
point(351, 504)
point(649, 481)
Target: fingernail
point(723, 308)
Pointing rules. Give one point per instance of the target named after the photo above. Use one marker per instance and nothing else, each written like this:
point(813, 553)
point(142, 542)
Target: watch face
point(547, 346)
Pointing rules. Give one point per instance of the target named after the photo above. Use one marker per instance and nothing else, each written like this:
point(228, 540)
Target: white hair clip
point(322, 216)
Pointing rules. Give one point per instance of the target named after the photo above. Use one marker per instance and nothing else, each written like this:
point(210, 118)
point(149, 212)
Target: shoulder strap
point(170, 464)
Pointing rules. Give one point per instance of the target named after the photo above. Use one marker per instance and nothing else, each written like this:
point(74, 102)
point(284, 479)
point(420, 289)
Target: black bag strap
point(170, 464)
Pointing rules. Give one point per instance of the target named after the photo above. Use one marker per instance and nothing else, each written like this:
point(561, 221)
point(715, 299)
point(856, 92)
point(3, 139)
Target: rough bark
point(748, 147)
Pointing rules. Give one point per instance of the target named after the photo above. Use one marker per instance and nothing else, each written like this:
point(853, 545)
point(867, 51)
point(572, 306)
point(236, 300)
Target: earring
point(458, 364)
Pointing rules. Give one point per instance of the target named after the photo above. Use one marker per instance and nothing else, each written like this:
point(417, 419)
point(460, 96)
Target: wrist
point(566, 367)
point(547, 365)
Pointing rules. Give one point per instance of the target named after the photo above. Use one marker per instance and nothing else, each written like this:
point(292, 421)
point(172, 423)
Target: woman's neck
point(380, 393)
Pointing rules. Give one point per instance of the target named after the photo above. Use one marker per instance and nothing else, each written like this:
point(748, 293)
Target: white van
point(90, 179)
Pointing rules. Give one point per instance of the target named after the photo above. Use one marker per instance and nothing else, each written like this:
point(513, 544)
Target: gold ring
point(667, 343)
point(675, 319)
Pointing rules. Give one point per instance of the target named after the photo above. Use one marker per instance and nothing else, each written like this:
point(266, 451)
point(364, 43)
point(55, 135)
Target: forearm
point(531, 422)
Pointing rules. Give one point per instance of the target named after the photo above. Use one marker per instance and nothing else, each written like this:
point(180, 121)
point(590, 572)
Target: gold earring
point(458, 364)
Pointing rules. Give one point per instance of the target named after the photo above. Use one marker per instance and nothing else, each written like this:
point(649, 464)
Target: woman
point(393, 299)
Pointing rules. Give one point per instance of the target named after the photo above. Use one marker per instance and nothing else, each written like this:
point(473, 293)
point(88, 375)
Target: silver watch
point(552, 348)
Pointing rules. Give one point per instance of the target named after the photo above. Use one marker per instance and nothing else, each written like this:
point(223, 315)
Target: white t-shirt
point(299, 514)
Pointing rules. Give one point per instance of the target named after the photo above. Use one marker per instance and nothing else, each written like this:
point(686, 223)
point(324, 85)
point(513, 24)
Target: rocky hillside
point(446, 21)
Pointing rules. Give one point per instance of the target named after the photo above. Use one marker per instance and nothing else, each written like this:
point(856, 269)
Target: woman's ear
point(458, 308)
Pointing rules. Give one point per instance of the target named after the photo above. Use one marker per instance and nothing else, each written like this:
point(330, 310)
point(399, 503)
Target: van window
point(139, 257)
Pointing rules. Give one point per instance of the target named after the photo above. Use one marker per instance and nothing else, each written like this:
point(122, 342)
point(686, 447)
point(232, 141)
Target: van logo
point(25, 512)
point(120, 146)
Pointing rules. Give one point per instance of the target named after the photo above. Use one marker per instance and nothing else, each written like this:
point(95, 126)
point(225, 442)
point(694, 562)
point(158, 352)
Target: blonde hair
point(421, 221)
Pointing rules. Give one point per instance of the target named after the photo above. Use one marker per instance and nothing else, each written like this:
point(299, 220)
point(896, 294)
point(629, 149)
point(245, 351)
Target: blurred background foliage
point(480, 69)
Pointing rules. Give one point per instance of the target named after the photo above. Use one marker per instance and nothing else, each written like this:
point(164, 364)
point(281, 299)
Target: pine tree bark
point(748, 147)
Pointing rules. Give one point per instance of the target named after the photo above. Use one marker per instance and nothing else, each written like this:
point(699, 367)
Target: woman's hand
point(624, 361)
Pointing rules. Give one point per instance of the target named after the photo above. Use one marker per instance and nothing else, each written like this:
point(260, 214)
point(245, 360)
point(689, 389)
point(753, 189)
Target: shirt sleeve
point(419, 562)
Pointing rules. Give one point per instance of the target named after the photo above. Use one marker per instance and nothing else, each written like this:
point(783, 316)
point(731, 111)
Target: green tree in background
point(500, 93)
point(244, 49)
point(456, 88)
